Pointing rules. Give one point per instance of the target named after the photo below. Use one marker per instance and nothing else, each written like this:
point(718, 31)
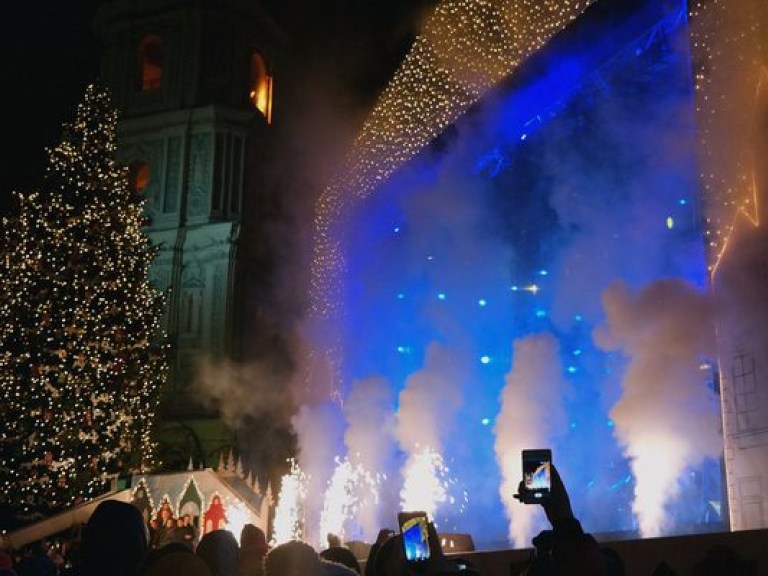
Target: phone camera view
point(415, 538)
point(537, 475)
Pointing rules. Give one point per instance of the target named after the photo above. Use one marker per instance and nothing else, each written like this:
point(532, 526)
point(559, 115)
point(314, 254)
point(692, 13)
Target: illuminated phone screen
point(415, 538)
point(537, 474)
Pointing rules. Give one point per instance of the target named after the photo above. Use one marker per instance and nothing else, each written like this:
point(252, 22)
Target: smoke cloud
point(253, 401)
point(428, 403)
point(426, 413)
point(664, 418)
point(369, 410)
point(532, 416)
point(320, 430)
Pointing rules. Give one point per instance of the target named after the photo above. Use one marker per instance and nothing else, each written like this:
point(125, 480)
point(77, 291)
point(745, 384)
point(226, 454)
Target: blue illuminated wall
point(514, 222)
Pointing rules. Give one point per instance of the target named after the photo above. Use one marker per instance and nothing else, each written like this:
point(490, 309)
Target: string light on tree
point(82, 353)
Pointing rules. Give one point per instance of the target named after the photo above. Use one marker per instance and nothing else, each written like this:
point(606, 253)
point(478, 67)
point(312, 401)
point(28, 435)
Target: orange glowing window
point(261, 87)
point(138, 175)
point(151, 63)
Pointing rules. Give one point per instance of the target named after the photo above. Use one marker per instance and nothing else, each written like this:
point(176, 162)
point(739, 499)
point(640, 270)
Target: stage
point(642, 557)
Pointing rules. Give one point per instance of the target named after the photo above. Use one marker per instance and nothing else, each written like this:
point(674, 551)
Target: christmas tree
point(82, 354)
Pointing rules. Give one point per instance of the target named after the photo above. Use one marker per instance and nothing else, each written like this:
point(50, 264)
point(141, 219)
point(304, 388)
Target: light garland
point(80, 363)
point(467, 47)
point(730, 81)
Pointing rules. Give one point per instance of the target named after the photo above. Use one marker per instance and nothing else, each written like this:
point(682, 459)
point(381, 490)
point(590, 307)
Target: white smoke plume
point(665, 418)
point(532, 416)
point(369, 409)
point(427, 408)
point(320, 432)
point(251, 397)
point(340, 502)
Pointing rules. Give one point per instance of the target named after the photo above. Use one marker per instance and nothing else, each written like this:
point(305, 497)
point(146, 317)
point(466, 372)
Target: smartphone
point(413, 527)
point(537, 476)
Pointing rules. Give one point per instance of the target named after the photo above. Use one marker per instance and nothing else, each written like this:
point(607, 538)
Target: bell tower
point(193, 81)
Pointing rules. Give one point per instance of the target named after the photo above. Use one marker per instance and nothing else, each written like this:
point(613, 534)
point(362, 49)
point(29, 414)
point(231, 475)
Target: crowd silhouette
point(118, 540)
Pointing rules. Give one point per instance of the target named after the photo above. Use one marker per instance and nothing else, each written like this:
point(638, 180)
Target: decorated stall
point(205, 499)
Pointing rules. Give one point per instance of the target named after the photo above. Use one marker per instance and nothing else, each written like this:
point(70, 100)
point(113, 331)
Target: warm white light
point(424, 486)
point(287, 524)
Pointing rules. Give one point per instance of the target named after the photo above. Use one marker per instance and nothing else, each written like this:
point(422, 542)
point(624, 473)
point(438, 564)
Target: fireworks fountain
point(288, 520)
point(352, 491)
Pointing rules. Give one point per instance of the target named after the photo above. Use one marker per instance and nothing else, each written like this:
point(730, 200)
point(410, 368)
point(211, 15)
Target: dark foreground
point(642, 557)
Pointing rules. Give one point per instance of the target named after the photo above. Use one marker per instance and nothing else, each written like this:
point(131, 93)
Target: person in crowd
point(165, 536)
point(143, 503)
point(383, 535)
point(390, 560)
point(293, 558)
point(343, 556)
point(164, 512)
point(166, 526)
point(614, 563)
point(220, 551)
point(253, 549)
point(189, 533)
point(114, 541)
point(335, 569)
point(37, 564)
point(6, 564)
point(175, 559)
point(154, 532)
point(71, 557)
point(566, 550)
point(333, 540)
point(34, 561)
point(179, 532)
point(157, 553)
point(55, 554)
point(720, 559)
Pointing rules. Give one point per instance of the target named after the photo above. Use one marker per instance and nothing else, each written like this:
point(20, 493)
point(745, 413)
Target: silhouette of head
point(114, 540)
point(220, 551)
point(293, 559)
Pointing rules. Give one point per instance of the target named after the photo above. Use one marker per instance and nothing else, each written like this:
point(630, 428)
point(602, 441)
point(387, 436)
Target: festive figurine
point(215, 518)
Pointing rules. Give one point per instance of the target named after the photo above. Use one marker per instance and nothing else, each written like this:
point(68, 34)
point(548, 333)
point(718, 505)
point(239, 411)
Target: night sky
point(51, 53)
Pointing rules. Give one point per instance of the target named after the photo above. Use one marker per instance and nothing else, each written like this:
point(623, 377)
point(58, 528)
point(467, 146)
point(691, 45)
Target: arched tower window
point(151, 63)
point(261, 87)
point(138, 176)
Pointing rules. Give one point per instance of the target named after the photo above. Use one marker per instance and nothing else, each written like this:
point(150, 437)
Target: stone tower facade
point(193, 82)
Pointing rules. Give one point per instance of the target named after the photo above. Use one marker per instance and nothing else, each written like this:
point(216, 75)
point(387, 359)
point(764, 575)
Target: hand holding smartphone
point(537, 476)
point(415, 532)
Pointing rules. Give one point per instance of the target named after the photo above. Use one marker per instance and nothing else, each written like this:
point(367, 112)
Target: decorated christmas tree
point(82, 354)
